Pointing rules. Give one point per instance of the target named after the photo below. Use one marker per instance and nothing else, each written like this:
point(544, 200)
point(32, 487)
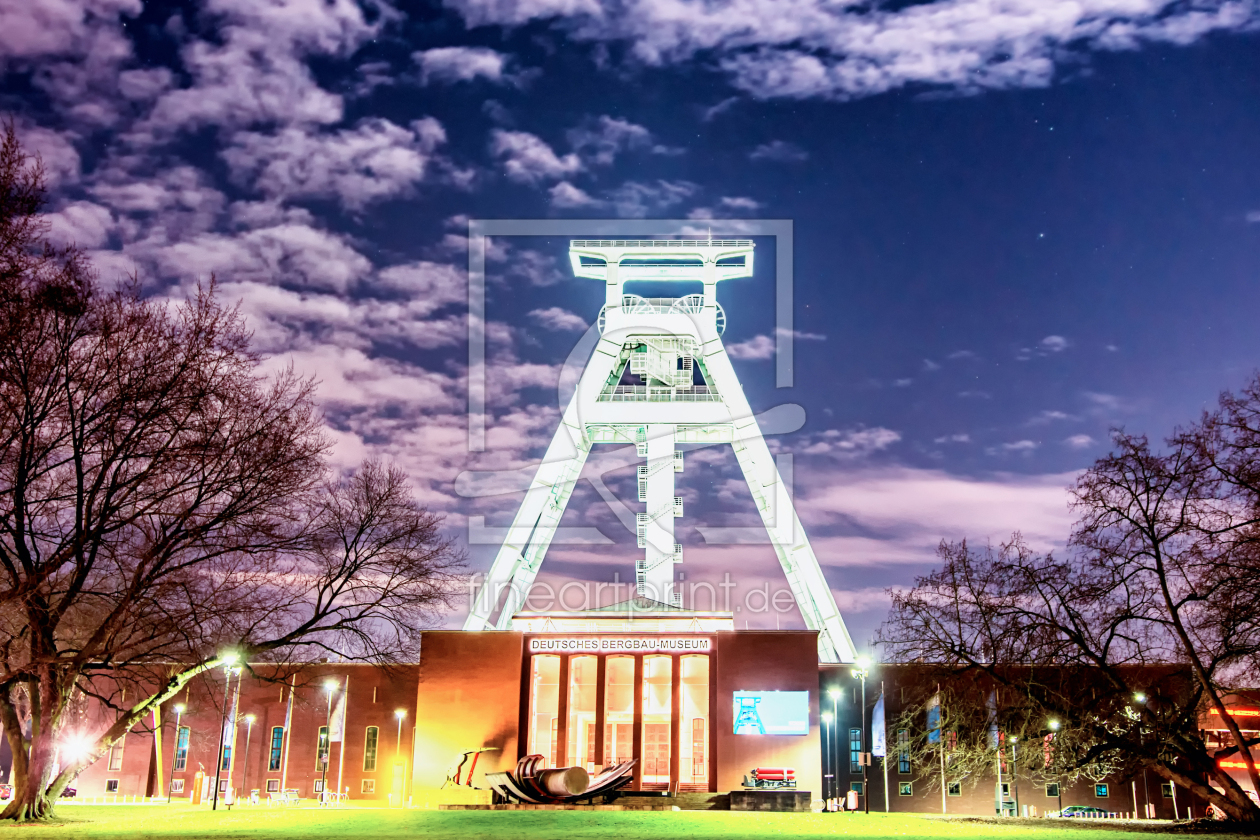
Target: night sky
point(1017, 225)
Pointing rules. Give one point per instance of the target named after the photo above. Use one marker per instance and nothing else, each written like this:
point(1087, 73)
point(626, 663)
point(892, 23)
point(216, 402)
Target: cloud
point(565, 194)
point(779, 151)
point(847, 443)
point(528, 159)
point(739, 203)
point(929, 365)
point(460, 64)
point(1079, 441)
point(1019, 447)
point(755, 348)
point(375, 160)
point(1049, 416)
point(816, 48)
point(961, 437)
point(1054, 343)
point(636, 199)
point(601, 140)
point(560, 320)
point(1253, 216)
point(902, 383)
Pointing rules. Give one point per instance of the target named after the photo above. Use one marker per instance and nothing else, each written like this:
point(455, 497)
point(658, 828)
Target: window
point(277, 747)
point(658, 717)
point(111, 786)
point(177, 786)
point(181, 748)
point(370, 741)
point(903, 751)
point(583, 671)
point(227, 759)
point(1100, 791)
point(855, 750)
point(903, 789)
point(368, 786)
point(273, 786)
point(856, 787)
point(694, 706)
point(321, 748)
point(618, 709)
point(1052, 789)
point(955, 789)
point(544, 707)
point(116, 754)
point(223, 783)
point(1006, 789)
point(1166, 789)
point(319, 785)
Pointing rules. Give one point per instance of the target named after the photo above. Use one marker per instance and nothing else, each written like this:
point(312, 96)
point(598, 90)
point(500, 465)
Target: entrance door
point(656, 752)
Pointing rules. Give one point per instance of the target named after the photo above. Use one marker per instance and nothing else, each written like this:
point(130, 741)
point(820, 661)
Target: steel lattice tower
point(659, 376)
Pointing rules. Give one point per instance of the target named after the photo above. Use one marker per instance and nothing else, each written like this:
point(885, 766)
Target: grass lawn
point(189, 823)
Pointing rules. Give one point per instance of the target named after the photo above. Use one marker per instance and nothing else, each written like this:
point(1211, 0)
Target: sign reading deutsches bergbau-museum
point(620, 644)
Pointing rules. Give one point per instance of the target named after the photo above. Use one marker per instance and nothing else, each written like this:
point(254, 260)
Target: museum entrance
point(596, 711)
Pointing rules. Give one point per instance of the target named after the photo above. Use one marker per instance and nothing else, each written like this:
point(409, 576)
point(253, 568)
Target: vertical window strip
point(370, 740)
point(181, 748)
point(277, 748)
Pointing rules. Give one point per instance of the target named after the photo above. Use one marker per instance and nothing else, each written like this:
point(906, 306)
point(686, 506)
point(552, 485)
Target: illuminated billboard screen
point(772, 713)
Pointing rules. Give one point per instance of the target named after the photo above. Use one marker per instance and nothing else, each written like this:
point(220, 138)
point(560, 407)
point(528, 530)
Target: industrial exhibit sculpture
point(771, 777)
point(659, 376)
point(531, 784)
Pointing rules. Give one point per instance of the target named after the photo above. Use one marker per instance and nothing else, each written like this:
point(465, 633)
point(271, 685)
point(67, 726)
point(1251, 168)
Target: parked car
point(6, 791)
point(1079, 811)
point(69, 793)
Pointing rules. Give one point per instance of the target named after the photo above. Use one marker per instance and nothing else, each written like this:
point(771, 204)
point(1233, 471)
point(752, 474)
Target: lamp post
point(834, 694)
point(1058, 785)
point(826, 719)
point(400, 715)
point(862, 667)
point(330, 686)
point(249, 730)
point(229, 659)
point(179, 713)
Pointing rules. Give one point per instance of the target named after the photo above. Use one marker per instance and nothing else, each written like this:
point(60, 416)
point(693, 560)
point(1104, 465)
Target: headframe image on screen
point(772, 713)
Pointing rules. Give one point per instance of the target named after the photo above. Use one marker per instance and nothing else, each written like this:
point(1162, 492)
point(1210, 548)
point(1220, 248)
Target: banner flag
point(991, 705)
point(288, 721)
point(338, 719)
point(229, 723)
point(879, 736)
point(934, 719)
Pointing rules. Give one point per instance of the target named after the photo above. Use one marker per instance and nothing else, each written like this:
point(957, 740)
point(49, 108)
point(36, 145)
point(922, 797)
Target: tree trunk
point(30, 801)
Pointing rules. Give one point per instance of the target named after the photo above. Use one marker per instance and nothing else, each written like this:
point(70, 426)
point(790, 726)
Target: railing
point(642, 393)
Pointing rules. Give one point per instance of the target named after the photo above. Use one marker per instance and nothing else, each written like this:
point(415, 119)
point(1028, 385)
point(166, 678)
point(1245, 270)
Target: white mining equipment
point(660, 376)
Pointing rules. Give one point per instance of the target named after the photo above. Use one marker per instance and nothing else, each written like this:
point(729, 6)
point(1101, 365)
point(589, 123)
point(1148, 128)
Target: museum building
point(699, 703)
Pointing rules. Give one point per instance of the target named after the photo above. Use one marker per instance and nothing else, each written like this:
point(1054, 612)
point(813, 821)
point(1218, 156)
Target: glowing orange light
point(1232, 764)
point(1238, 713)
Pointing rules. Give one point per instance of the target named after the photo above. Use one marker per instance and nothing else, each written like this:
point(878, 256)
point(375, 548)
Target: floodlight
point(400, 713)
point(1054, 724)
point(1139, 697)
point(250, 718)
point(826, 716)
point(833, 693)
point(331, 685)
point(230, 658)
point(180, 708)
point(863, 662)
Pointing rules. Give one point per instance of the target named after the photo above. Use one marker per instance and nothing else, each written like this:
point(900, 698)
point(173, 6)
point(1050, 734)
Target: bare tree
point(1159, 599)
point(162, 503)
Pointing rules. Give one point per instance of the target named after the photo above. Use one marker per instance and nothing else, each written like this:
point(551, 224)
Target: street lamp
point(1058, 785)
point(249, 730)
point(400, 715)
point(229, 660)
point(330, 686)
point(834, 694)
point(179, 713)
point(862, 667)
point(826, 719)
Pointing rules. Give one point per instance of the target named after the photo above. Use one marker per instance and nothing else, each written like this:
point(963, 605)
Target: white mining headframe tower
point(659, 376)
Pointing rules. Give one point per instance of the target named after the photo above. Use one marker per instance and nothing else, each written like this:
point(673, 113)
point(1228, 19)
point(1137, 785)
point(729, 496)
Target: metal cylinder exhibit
point(564, 781)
